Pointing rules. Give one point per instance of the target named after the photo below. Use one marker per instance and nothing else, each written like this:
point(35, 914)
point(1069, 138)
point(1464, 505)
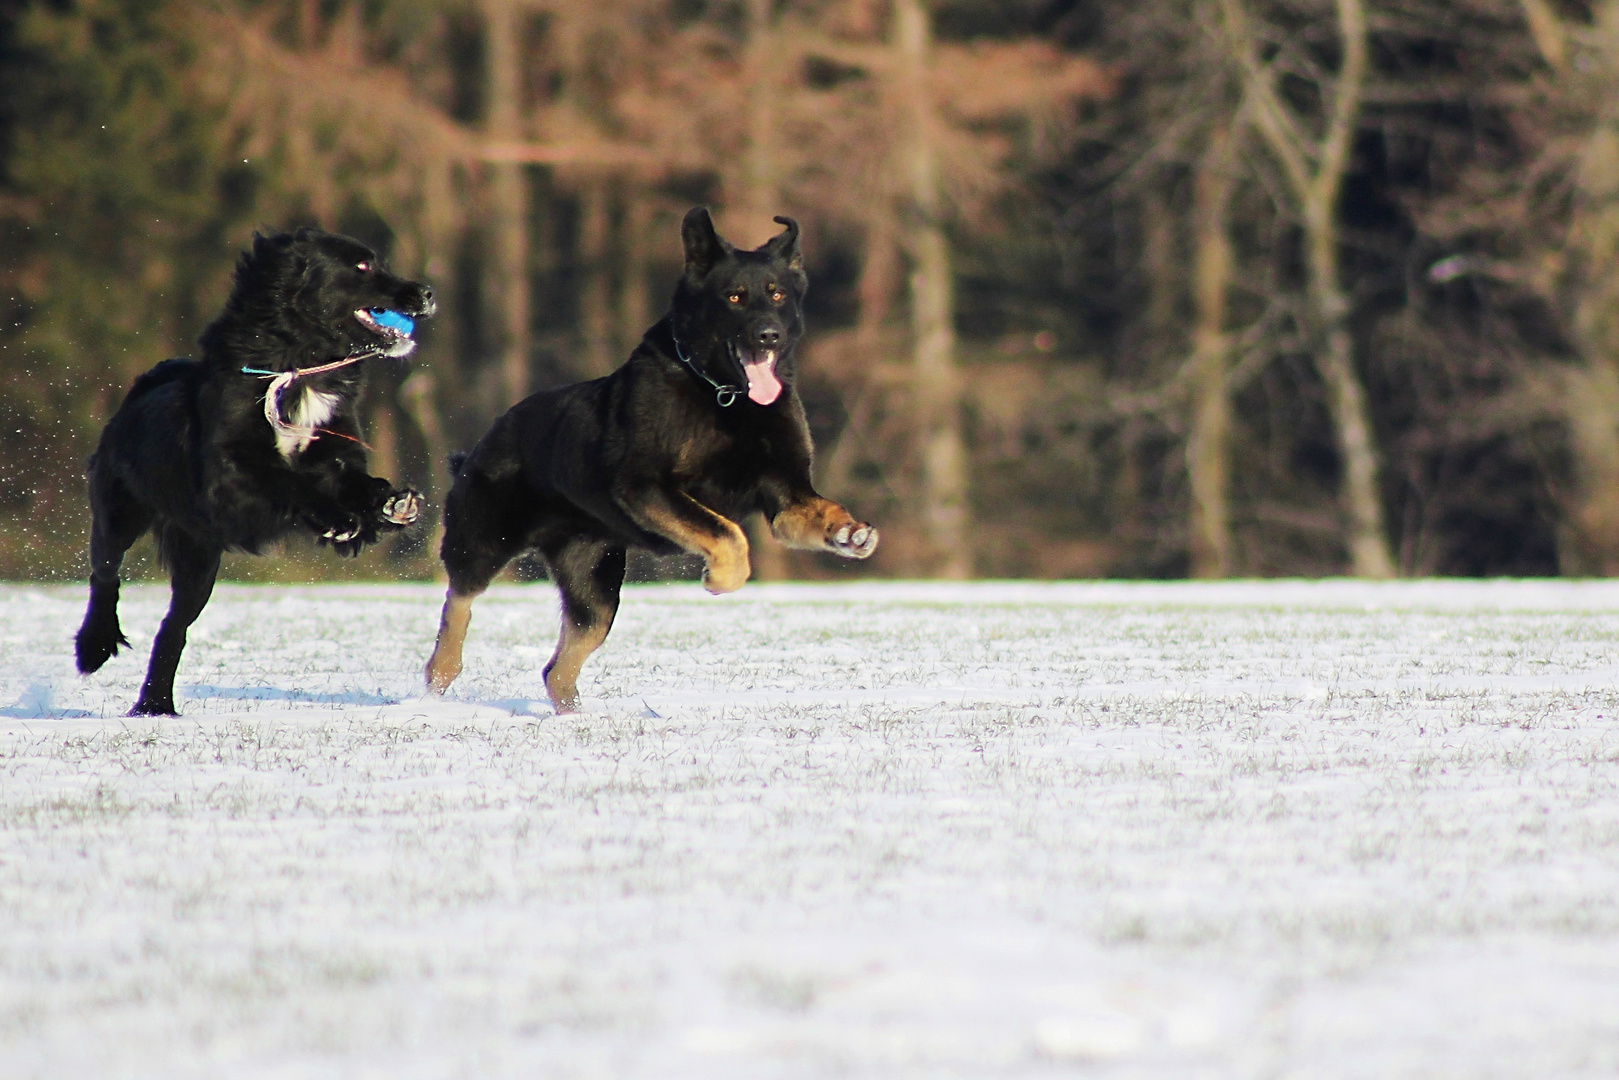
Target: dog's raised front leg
point(816, 524)
point(349, 509)
point(322, 513)
point(686, 522)
point(402, 507)
point(377, 501)
point(373, 501)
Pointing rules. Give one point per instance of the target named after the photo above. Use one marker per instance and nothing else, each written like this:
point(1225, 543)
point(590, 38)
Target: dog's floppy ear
point(704, 246)
point(784, 246)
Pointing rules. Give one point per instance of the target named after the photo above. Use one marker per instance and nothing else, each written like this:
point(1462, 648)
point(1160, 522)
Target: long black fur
point(191, 457)
point(650, 457)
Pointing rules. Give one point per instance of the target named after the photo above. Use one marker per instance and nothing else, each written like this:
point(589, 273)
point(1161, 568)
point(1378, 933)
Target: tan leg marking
point(562, 673)
point(726, 556)
point(445, 663)
point(728, 565)
point(819, 524)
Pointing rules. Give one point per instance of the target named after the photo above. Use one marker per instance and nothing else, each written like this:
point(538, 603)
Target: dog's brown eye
point(776, 295)
point(737, 297)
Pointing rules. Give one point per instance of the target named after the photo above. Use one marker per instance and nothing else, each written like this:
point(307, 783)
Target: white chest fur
point(307, 410)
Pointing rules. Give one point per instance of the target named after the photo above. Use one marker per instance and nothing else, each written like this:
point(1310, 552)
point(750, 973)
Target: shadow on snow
point(271, 693)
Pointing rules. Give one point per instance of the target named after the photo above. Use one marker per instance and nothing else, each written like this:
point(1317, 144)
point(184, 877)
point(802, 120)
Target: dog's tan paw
point(853, 540)
point(726, 573)
point(402, 507)
point(441, 672)
point(725, 579)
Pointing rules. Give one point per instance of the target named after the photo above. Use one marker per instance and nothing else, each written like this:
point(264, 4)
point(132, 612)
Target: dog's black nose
point(767, 335)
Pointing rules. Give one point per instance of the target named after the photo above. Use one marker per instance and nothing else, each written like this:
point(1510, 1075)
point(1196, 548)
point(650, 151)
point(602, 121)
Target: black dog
point(236, 450)
point(700, 427)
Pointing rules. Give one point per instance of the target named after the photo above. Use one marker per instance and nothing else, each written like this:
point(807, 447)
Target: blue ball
point(394, 320)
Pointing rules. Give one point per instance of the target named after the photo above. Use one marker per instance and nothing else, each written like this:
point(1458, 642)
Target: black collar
point(725, 396)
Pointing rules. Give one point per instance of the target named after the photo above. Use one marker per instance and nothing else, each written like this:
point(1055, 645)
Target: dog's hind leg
point(193, 566)
point(473, 555)
point(589, 574)
point(117, 521)
point(445, 663)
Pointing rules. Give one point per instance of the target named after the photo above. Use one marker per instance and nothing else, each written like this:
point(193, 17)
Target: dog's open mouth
point(394, 327)
point(759, 366)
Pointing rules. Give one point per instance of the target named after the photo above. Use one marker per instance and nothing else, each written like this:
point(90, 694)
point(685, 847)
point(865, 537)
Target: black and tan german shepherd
point(701, 427)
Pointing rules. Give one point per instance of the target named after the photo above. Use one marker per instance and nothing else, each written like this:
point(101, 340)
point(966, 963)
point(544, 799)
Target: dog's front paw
point(342, 534)
point(402, 508)
point(726, 575)
point(341, 530)
point(349, 549)
point(853, 540)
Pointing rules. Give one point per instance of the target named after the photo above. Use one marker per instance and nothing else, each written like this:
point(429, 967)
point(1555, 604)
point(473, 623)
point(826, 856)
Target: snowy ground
point(877, 831)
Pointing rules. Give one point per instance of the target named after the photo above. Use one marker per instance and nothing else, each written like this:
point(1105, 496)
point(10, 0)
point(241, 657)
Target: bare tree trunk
point(1589, 543)
point(1357, 445)
point(879, 281)
point(944, 501)
point(418, 396)
point(308, 23)
point(507, 261)
point(1550, 36)
point(596, 286)
point(760, 198)
point(1346, 398)
point(1315, 176)
point(761, 189)
point(1165, 270)
point(384, 437)
point(1593, 401)
point(634, 299)
point(1208, 443)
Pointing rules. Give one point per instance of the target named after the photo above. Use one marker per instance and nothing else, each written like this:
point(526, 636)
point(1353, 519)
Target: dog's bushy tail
point(457, 459)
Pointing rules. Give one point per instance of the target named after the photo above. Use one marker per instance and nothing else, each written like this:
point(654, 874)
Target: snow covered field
point(873, 831)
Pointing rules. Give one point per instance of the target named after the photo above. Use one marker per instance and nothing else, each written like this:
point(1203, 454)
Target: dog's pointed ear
point(265, 253)
point(784, 246)
point(704, 246)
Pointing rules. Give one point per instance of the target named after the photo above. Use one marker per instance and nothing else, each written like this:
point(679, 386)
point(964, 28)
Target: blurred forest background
point(1098, 287)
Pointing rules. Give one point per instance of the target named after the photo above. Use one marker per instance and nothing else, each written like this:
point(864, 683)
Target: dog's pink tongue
point(763, 386)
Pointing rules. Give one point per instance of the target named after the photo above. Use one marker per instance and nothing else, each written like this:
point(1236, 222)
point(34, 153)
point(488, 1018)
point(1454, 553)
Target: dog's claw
point(402, 508)
point(854, 540)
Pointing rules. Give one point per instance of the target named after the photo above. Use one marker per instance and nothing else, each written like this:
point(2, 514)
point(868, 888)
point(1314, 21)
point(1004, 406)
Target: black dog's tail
point(457, 459)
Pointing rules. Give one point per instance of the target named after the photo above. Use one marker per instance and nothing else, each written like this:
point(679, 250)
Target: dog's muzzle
point(396, 329)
